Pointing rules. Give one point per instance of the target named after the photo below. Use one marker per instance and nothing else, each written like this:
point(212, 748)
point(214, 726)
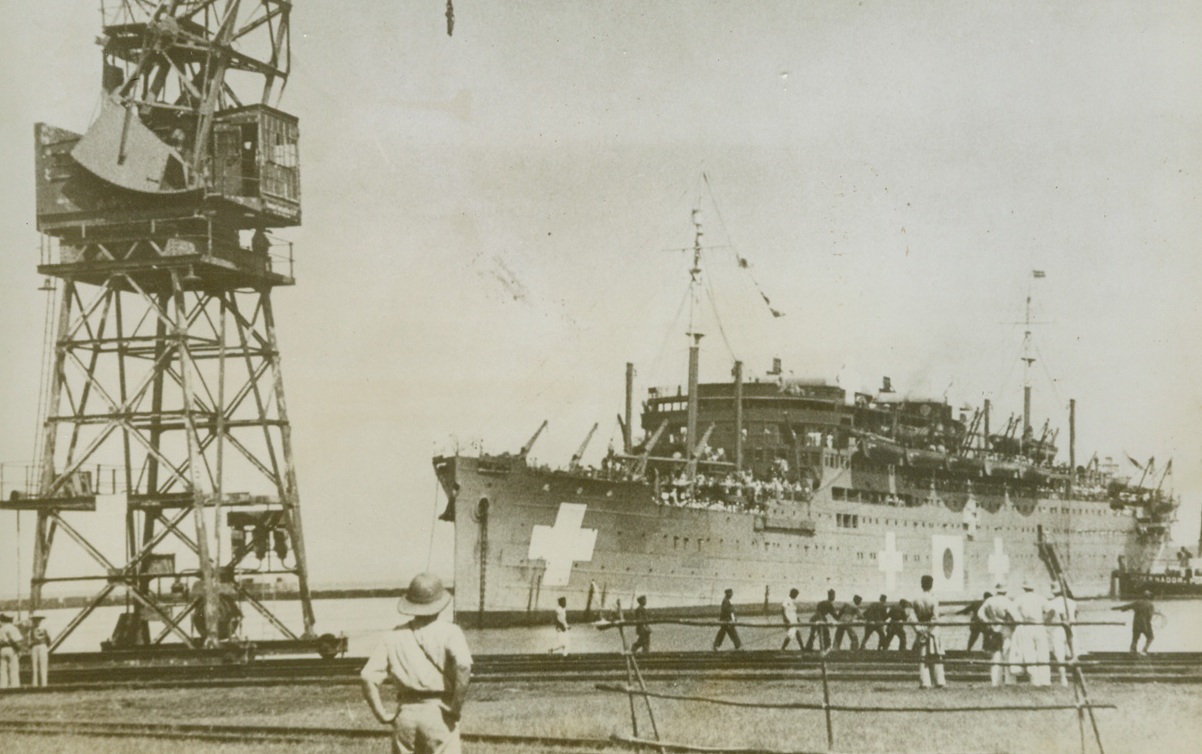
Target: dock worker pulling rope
point(927, 638)
point(430, 664)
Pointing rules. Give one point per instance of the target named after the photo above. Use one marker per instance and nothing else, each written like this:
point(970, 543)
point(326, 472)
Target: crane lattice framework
point(166, 367)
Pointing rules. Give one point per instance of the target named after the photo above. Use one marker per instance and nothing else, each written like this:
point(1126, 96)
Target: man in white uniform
point(39, 651)
point(792, 630)
point(1060, 609)
point(1029, 648)
point(998, 613)
point(10, 657)
point(561, 627)
point(430, 664)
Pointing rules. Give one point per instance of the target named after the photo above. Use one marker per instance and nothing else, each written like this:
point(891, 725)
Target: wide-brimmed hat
point(35, 616)
point(1000, 588)
point(425, 596)
point(1028, 586)
point(1056, 587)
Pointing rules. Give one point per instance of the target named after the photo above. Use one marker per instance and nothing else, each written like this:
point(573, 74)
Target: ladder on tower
point(1047, 553)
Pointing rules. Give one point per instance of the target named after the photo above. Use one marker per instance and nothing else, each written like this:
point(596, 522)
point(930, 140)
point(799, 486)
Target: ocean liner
point(769, 483)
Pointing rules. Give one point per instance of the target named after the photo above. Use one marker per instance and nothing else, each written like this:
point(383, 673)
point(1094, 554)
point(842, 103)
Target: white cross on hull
point(562, 544)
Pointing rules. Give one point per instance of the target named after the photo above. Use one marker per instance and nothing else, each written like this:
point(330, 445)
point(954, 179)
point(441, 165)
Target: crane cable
point(740, 260)
point(20, 592)
point(433, 526)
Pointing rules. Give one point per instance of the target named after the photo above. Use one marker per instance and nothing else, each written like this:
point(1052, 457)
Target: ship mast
point(694, 336)
point(1028, 360)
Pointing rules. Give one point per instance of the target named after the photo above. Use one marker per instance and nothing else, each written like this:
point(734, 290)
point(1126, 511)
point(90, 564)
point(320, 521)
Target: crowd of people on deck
point(734, 492)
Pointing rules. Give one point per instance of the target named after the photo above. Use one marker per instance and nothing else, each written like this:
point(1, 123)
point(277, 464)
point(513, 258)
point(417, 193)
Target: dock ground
point(1164, 718)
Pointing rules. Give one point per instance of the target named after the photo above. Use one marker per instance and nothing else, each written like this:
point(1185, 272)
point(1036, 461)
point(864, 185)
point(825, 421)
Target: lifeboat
point(882, 451)
point(1036, 474)
point(926, 459)
point(1005, 469)
point(969, 465)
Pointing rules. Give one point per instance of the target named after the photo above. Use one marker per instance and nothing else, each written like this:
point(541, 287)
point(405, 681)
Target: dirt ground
point(1164, 718)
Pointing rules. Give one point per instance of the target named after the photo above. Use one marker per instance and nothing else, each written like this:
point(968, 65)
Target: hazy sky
point(488, 219)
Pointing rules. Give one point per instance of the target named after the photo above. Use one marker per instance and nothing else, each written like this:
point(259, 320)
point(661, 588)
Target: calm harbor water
point(364, 620)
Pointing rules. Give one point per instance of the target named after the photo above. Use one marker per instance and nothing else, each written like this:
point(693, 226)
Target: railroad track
point(869, 666)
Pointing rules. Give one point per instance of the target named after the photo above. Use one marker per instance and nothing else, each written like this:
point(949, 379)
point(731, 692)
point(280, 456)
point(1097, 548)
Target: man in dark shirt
point(897, 625)
point(824, 614)
point(726, 617)
point(641, 629)
point(875, 616)
point(976, 628)
point(1141, 623)
point(259, 243)
point(850, 614)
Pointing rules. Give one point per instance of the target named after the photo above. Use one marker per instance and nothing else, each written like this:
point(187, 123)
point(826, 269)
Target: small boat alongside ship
point(1180, 576)
point(772, 482)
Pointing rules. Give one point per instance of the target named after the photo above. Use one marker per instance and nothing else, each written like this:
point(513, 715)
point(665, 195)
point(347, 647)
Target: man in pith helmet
point(430, 664)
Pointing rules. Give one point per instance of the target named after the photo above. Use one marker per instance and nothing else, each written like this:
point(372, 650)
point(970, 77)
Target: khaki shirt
point(418, 659)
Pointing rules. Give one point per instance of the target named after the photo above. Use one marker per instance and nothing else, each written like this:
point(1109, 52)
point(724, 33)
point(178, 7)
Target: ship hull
point(526, 536)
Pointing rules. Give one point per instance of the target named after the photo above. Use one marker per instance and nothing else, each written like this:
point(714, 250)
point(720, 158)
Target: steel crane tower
point(164, 387)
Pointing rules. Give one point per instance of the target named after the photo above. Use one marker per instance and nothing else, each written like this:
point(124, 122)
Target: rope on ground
point(850, 707)
point(606, 625)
